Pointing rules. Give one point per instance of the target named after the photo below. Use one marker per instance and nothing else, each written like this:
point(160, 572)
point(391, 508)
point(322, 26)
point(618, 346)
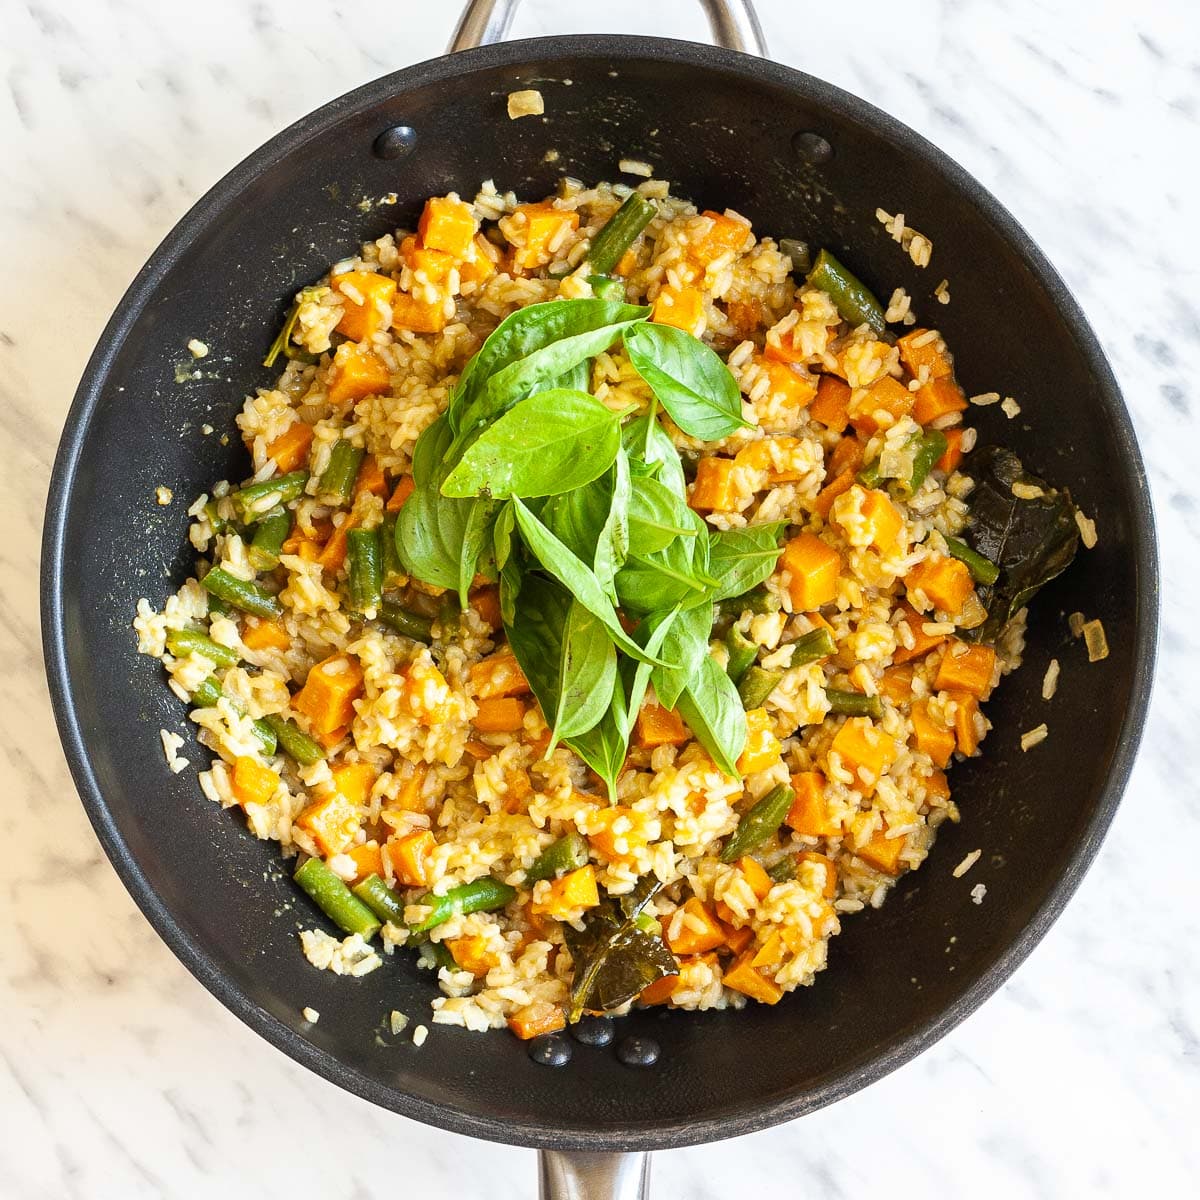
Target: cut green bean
point(218, 522)
point(759, 824)
point(294, 741)
point(742, 653)
point(605, 287)
point(567, 854)
point(241, 593)
point(798, 252)
point(255, 500)
point(852, 298)
point(337, 480)
point(393, 570)
point(871, 476)
point(386, 903)
point(483, 895)
point(365, 553)
point(931, 445)
point(756, 685)
point(336, 900)
point(209, 691)
point(619, 232)
point(439, 955)
point(982, 569)
point(784, 870)
point(283, 339)
point(182, 642)
point(269, 535)
point(813, 646)
point(853, 704)
point(410, 624)
point(758, 600)
point(648, 923)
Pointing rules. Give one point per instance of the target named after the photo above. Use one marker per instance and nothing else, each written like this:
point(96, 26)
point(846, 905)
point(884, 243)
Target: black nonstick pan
point(799, 158)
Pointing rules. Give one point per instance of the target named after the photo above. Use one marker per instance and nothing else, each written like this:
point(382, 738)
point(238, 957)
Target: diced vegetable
point(924, 348)
point(755, 876)
point(759, 823)
point(828, 866)
point(500, 714)
point(337, 481)
point(182, 642)
point(385, 903)
point(569, 892)
point(966, 668)
point(362, 318)
point(788, 384)
point(241, 593)
point(762, 749)
point(756, 686)
point(534, 1020)
point(410, 624)
point(743, 977)
point(567, 854)
point(370, 478)
point(883, 853)
point(853, 704)
point(354, 781)
point(208, 693)
point(333, 554)
point(854, 300)
point(922, 642)
point(417, 314)
point(447, 224)
point(404, 489)
point(982, 570)
point(410, 855)
point(619, 232)
point(965, 733)
point(880, 406)
point(366, 569)
point(356, 372)
point(258, 498)
point(252, 782)
point(937, 398)
point(812, 646)
point(931, 736)
point(699, 930)
point(946, 582)
point(658, 726)
point(294, 740)
point(832, 404)
point(269, 535)
point(809, 814)
point(713, 490)
point(682, 307)
point(831, 491)
point(289, 450)
point(258, 634)
point(328, 695)
point(725, 235)
point(473, 953)
point(368, 860)
point(335, 899)
point(864, 748)
point(953, 456)
point(499, 675)
point(332, 821)
point(813, 567)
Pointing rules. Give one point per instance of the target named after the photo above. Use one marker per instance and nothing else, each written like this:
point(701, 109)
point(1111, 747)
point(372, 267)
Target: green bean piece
point(930, 447)
point(255, 500)
point(269, 535)
point(241, 593)
point(784, 871)
point(619, 232)
point(812, 646)
point(567, 854)
point(483, 895)
point(798, 252)
point(393, 570)
point(209, 691)
point(759, 823)
point(756, 685)
point(440, 955)
point(182, 642)
point(853, 704)
point(982, 569)
point(218, 522)
point(294, 740)
point(605, 287)
point(870, 476)
point(336, 900)
point(410, 624)
point(283, 343)
point(365, 553)
point(337, 481)
point(648, 924)
point(742, 653)
point(758, 600)
point(386, 903)
point(852, 298)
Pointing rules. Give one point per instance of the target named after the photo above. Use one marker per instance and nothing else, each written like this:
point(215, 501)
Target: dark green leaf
point(430, 451)
point(687, 643)
point(1031, 541)
point(613, 959)
point(649, 443)
point(713, 711)
point(688, 379)
point(587, 674)
point(476, 541)
point(675, 575)
point(740, 559)
point(657, 516)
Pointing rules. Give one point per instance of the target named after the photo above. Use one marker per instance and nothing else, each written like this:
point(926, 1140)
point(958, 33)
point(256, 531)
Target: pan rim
point(752, 1115)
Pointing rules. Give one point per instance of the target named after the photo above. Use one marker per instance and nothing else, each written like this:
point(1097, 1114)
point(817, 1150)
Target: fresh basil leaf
point(613, 543)
point(502, 534)
point(740, 559)
point(535, 634)
point(578, 578)
point(430, 533)
point(656, 516)
point(577, 379)
point(713, 711)
point(511, 581)
point(531, 347)
point(675, 575)
point(476, 539)
point(689, 380)
point(587, 674)
point(614, 960)
point(687, 643)
point(554, 442)
point(648, 443)
point(430, 451)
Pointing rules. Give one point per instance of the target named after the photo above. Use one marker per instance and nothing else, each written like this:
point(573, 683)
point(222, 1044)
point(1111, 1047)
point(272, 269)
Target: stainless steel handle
point(734, 24)
point(588, 1175)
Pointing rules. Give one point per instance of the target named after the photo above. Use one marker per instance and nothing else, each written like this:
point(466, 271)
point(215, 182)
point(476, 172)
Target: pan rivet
point(396, 142)
point(551, 1050)
point(638, 1052)
point(593, 1031)
point(812, 148)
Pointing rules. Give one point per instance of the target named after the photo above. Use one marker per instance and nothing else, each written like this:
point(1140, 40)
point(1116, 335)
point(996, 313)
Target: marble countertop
point(120, 1075)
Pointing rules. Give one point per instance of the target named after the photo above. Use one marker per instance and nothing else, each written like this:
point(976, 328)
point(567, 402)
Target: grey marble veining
point(119, 1075)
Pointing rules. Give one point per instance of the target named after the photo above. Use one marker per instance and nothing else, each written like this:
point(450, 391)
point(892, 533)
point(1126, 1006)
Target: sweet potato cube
point(698, 931)
point(431, 266)
point(417, 314)
point(536, 1019)
point(474, 271)
point(737, 938)
point(622, 832)
point(289, 450)
point(499, 675)
point(809, 815)
point(937, 786)
point(473, 953)
point(883, 853)
point(354, 781)
point(788, 384)
point(965, 734)
point(713, 490)
point(831, 491)
point(660, 991)
point(954, 452)
point(832, 404)
point(744, 977)
point(813, 567)
point(771, 953)
point(880, 406)
point(658, 726)
point(332, 737)
point(682, 307)
point(568, 893)
point(829, 885)
point(883, 521)
point(331, 822)
point(767, 455)
point(895, 684)
point(744, 315)
point(945, 581)
point(333, 554)
point(409, 856)
point(545, 231)
point(724, 236)
point(252, 782)
point(356, 372)
point(258, 634)
point(501, 714)
point(486, 603)
point(448, 225)
point(362, 317)
point(847, 455)
point(931, 736)
point(759, 881)
point(966, 668)
point(937, 398)
point(328, 695)
point(370, 478)
point(367, 858)
point(918, 349)
point(762, 750)
point(864, 748)
point(409, 796)
point(403, 489)
point(922, 642)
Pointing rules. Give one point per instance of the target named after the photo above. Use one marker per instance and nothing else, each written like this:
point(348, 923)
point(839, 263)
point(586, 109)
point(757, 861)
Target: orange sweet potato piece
point(829, 887)
point(945, 581)
point(252, 782)
point(938, 786)
point(883, 853)
point(448, 225)
point(937, 398)
point(328, 695)
point(763, 454)
point(409, 797)
point(813, 567)
point(762, 750)
point(966, 668)
point(536, 1019)
point(725, 235)
point(788, 383)
point(713, 489)
point(473, 953)
point(861, 745)
point(847, 455)
point(433, 266)
point(290, 449)
point(409, 856)
point(477, 270)
point(500, 714)
point(895, 684)
point(809, 815)
point(699, 930)
point(417, 314)
point(361, 320)
point(569, 892)
point(831, 491)
point(682, 307)
point(954, 452)
point(759, 881)
point(658, 726)
point(886, 395)
point(486, 603)
point(545, 227)
point(354, 781)
point(370, 478)
point(258, 634)
point(660, 991)
point(333, 554)
point(882, 520)
point(332, 822)
point(356, 372)
point(499, 675)
point(368, 860)
point(922, 642)
point(931, 736)
point(931, 353)
point(403, 489)
point(965, 734)
point(832, 405)
point(744, 315)
point(744, 977)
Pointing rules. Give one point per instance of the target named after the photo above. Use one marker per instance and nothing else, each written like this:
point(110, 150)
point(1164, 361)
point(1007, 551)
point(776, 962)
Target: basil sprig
point(607, 578)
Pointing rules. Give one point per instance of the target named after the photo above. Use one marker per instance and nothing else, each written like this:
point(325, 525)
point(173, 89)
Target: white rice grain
point(1087, 529)
point(967, 863)
point(310, 1015)
point(978, 892)
point(1034, 737)
point(1050, 680)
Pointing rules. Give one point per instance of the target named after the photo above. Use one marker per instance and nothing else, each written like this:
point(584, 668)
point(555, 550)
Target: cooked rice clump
point(410, 759)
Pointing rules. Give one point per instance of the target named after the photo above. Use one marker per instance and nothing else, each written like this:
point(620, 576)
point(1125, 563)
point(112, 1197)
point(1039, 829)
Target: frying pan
point(799, 158)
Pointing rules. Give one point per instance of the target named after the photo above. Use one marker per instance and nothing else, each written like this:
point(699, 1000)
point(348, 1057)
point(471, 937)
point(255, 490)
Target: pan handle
point(592, 1175)
point(734, 24)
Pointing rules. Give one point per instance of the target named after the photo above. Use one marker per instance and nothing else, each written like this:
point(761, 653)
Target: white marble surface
point(121, 1076)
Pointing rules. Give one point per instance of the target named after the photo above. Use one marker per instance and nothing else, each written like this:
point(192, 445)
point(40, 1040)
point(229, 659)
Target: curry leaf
point(713, 711)
point(689, 380)
point(554, 442)
point(740, 559)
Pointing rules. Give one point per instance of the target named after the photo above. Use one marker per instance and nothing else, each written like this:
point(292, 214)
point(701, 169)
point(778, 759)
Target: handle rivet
point(812, 148)
point(551, 1050)
point(395, 142)
point(638, 1051)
